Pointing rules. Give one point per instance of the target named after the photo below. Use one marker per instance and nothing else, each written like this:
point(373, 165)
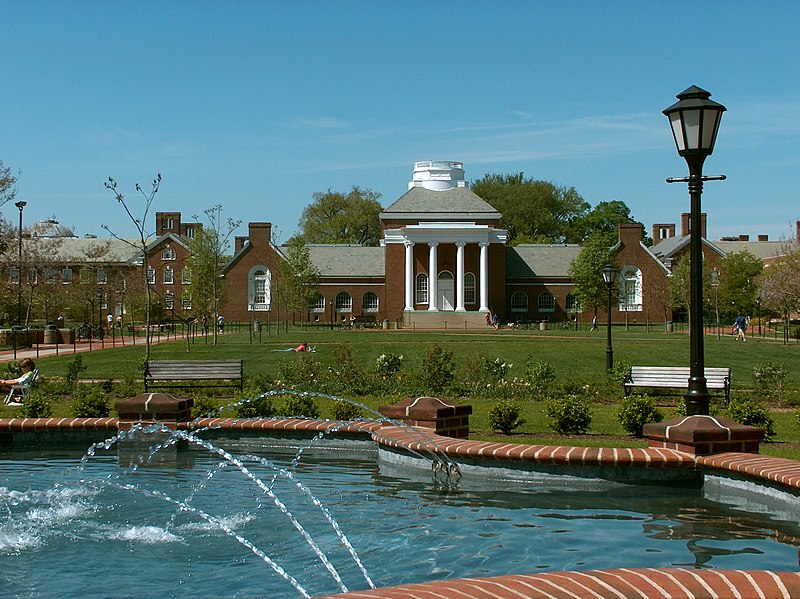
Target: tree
point(532, 211)
point(337, 218)
point(141, 243)
point(604, 219)
point(779, 283)
point(737, 283)
point(586, 272)
point(8, 191)
point(208, 256)
point(299, 279)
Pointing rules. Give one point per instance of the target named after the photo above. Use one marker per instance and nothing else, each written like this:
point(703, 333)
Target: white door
point(447, 291)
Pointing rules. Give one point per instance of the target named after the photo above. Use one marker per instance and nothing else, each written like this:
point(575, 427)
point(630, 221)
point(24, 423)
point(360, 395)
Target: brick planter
point(153, 407)
point(704, 435)
point(445, 419)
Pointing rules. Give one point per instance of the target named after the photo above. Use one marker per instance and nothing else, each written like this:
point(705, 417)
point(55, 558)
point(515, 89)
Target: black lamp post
point(20, 205)
point(610, 274)
point(695, 122)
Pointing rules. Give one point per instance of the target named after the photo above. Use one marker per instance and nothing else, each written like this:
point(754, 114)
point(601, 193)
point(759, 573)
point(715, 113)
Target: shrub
point(387, 365)
point(569, 415)
point(37, 405)
point(91, 403)
point(540, 374)
point(770, 375)
point(752, 413)
point(347, 376)
point(204, 407)
point(437, 369)
point(636, 411)
point(260, 406)
point(12, 370)
point(504, 416)
point(74, 369)
point(305, 372)
point(298, 406)
point(496, 369)
point(344, 410)
point(619, 371)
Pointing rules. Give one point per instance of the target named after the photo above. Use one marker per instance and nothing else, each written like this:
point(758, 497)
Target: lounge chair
point(21, 390)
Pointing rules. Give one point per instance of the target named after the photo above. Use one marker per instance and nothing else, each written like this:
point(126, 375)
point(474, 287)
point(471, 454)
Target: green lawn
point(576, 356)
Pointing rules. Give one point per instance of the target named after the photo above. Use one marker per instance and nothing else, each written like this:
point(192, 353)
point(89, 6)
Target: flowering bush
point(388, 364)
point(770, 375)
point(496, 369)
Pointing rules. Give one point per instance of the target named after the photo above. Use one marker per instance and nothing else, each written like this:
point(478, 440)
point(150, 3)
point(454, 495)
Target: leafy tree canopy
point(335, 217)
point(738, 274)
point(590, 289)
point(533, 211)
point(602, 220)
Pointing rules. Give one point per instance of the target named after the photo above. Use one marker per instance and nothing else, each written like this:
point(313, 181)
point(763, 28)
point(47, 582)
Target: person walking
point(740, 326)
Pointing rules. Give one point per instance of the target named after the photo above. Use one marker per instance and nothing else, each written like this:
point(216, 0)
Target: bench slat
point(676, 377)
point(223, 372)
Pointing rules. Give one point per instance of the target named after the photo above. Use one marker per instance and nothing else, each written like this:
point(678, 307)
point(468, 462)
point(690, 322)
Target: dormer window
point(168, 254)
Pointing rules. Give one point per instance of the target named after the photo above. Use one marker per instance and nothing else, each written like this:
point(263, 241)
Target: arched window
point(547, 303)
point(573, 305)
point(369, 303)
point(317, 304)
point(469, 288)
point(259, 288)
point(122, 283)
point(519, 302)
point(422, 288)
point(630, 289)
point(344, 303)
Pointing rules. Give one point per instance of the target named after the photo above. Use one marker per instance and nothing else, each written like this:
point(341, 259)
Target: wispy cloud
point(322, 122)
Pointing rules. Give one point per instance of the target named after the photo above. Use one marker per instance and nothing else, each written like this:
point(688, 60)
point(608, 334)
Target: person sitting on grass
point(27, 366)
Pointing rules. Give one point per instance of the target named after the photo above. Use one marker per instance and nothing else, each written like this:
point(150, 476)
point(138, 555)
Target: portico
point(451, 244)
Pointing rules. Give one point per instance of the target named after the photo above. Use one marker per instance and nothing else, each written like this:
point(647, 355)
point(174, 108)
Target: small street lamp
point(715, 285)
point(695, 122)
point(610, 274)
point(20, 205)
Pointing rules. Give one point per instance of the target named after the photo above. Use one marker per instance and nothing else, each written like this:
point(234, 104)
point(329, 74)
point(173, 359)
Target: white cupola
point(438, 175)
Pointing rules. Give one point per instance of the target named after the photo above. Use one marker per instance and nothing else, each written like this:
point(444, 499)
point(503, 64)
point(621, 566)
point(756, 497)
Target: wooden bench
point(676, 377)
point(189, 373)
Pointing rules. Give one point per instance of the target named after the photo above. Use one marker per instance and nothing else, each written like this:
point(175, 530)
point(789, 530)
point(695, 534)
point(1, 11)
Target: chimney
point(744, 238)
point(630, 233)
point(663, 231)
point(685, 224)
point(763, 237)
point(797, 231)
point(238, 243)
point(260, 234)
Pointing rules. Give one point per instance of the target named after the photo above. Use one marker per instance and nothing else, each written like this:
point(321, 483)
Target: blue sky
point(258, 105)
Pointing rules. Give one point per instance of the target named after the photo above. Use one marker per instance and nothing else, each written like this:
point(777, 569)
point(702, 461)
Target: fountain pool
point(196, 528)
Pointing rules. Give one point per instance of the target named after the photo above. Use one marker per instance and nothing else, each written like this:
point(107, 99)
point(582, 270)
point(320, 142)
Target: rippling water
point(208, 531)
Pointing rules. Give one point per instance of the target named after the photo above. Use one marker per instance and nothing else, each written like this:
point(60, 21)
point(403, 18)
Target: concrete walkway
point(43, 351)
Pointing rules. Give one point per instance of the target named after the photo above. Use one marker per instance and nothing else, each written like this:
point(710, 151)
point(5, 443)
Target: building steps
point(444, 320)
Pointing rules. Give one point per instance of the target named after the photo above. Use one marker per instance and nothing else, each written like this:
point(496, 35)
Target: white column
point(433, 276)
point(409, 275)
point(484, 276)
point(460, 276)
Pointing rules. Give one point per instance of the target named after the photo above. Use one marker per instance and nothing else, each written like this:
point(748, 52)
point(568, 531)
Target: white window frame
point(370, 303)
point(344, 302)
point(317, 304)
point(546, 302)
point(168, 254)
point(519, 302)
point(421, 288)
point(169, 276)
point(470, 296)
